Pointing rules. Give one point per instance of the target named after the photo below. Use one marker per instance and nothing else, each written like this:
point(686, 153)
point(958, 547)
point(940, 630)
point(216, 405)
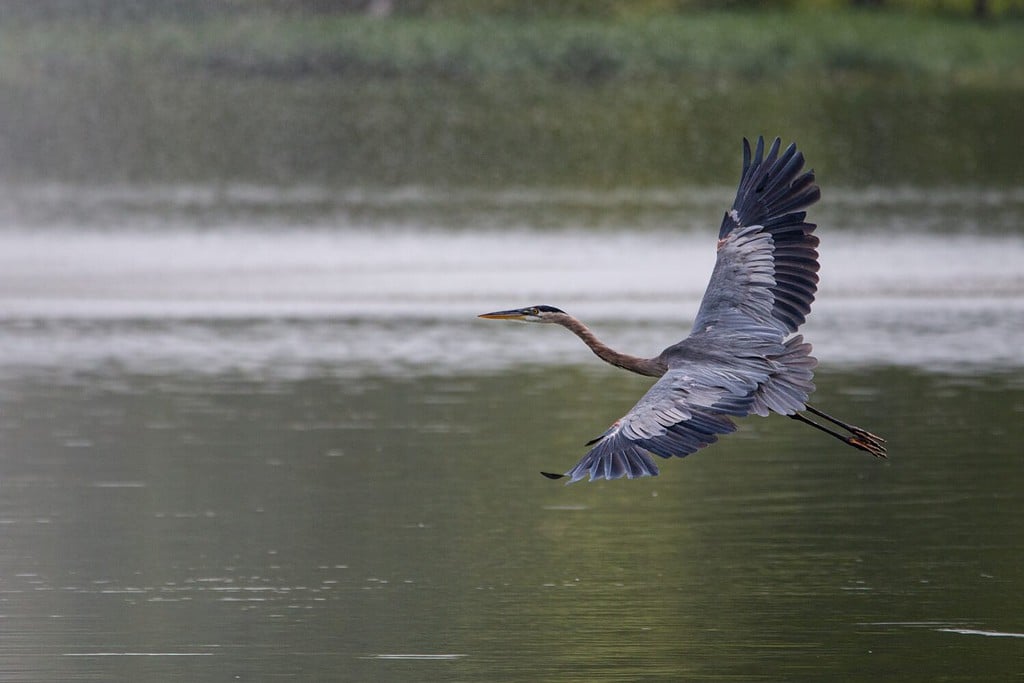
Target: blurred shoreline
point(284, 98)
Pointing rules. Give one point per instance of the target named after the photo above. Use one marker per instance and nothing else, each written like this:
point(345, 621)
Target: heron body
point(742, 356)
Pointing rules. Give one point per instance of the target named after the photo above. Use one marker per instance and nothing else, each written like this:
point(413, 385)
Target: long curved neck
point(650, 367)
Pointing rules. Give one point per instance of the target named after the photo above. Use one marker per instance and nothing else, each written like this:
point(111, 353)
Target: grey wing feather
point(767, 259)
point(687, 409)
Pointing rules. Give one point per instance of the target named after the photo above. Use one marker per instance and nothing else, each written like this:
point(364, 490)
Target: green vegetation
point(496, 99)
point(701, 45)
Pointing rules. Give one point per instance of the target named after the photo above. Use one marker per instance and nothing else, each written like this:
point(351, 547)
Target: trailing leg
point(858, 438)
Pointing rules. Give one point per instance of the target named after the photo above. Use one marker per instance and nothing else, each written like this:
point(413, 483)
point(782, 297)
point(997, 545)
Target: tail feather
point(788, 388)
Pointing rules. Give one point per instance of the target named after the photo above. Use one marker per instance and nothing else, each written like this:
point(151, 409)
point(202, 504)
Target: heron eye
point(534, 311)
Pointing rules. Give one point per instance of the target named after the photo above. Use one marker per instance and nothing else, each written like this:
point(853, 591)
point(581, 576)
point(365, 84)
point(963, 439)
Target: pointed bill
point(516, 314)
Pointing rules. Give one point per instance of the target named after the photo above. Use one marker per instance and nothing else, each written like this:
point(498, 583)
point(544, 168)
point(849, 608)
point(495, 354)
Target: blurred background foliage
point(497, 92)
point(609, 9)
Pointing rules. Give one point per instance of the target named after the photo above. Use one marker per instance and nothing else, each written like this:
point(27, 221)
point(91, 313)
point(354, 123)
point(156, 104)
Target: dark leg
point(856, 431)
point(859, 439)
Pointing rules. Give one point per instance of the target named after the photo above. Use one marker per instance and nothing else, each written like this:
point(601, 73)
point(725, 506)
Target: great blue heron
point(739, 358)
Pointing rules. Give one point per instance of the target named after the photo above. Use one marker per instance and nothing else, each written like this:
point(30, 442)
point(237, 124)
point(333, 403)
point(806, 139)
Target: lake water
point(253, 433)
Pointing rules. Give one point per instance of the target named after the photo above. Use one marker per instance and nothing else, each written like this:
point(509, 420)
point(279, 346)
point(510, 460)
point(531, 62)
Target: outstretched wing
point(767, 265)
point(685, 410)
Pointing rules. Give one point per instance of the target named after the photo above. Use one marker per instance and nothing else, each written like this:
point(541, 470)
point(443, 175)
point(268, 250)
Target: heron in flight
point(742, 356)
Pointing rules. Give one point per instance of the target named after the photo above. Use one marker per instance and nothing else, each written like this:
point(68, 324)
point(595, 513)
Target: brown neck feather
point(650, 367)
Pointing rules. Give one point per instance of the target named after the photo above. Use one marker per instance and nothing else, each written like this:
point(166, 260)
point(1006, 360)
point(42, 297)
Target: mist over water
point(178, 279)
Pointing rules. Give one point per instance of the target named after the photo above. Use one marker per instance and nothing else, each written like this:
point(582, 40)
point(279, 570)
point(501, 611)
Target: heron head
point(530, 314)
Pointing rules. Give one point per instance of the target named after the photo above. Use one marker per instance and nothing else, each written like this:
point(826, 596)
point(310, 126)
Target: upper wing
point(767, 263)
point(685, 410)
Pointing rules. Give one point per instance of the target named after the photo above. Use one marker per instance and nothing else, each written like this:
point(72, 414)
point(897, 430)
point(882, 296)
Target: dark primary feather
point(737, 360)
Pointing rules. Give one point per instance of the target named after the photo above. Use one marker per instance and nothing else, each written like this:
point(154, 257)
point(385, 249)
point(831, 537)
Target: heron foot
point(866, 441)
point(861, 439)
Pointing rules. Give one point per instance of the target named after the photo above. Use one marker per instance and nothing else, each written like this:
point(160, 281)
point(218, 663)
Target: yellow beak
point(504, 315)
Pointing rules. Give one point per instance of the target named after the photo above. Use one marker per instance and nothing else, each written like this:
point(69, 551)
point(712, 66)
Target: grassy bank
point(710, 45)
point(653, 100)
